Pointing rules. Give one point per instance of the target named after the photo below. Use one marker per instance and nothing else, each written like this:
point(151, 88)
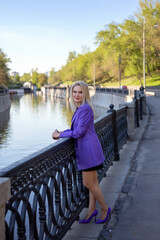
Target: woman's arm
point(84, 116)
point(56, 134)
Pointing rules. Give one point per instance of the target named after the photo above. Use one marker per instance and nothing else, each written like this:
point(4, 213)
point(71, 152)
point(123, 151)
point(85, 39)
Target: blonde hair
point(85, 92)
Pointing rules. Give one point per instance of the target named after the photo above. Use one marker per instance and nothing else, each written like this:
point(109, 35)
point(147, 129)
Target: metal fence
point(46, 187)
point(138, 107)
point(113, 90)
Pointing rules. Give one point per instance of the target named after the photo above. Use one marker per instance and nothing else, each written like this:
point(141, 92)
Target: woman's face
point(77, 95)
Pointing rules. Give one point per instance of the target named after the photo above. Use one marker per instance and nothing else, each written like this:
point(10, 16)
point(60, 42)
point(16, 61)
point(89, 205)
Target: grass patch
point(133, 81)
point(130, 81)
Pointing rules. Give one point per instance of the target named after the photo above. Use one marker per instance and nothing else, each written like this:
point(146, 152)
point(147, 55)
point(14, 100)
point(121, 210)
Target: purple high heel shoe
point(94, 214)
point(106, 218)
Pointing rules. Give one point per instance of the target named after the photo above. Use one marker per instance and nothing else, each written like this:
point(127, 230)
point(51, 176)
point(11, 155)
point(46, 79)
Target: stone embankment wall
point(56, 92)
point(101, 99)
point(5, 102)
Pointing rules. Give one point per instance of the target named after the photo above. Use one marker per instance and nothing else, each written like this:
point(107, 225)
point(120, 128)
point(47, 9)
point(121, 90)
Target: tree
point(150, 15)
point(71, 56)
point(17, 78)
point(26, 77)
point(52, 77)
point(34, 77)
point(4, 70)
point(42, 80)
point(85, 49)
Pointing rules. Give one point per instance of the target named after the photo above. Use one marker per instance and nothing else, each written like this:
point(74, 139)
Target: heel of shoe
point(95, 218)
point(108, 216)
point(94, 214)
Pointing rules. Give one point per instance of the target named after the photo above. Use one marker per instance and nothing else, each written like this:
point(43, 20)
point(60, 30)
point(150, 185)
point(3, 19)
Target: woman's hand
point(55, 134)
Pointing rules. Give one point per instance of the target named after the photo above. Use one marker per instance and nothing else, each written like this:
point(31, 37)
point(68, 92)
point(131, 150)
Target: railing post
point(4, 197)
point(137, 112)
point(143, 101)
point(141, 108)
point(114, 129)
point(136, 109)
point(144, 104)
point(141, 89)
point(130, 119)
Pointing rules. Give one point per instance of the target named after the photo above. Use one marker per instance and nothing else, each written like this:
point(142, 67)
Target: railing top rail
point(31, 159)
point(55, 87)
point(113, 90)
point(121, 110)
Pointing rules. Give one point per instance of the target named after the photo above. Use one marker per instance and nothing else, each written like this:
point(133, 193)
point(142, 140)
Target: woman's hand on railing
point(55, 134)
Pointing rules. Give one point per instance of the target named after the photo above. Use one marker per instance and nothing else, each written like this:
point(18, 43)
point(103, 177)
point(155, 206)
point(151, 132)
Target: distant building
point(14, 74)
point(27, 85)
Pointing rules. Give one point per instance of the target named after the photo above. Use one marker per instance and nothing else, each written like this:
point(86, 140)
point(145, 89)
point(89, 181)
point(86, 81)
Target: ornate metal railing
point(138, 107)
point(113, 90)
point(46, 187)
point(122, 135)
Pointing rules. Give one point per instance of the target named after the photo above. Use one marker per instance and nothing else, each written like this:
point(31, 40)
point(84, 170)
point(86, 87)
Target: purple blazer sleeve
point(83, 117)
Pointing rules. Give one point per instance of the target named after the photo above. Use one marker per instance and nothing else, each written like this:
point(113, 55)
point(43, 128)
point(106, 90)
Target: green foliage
point(4, 70)
point(14, 82)
point(17, 78)
point(34, 78)
point(72, 56)
point(42, 80)
point(52, 77)
point(26, 77)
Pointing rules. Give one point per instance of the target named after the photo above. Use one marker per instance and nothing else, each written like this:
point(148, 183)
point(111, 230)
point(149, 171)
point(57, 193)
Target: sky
point(41, 33)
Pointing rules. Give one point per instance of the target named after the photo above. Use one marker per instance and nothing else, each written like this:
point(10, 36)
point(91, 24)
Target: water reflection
point(32, 121)
point(15, 101)
point(4, 118)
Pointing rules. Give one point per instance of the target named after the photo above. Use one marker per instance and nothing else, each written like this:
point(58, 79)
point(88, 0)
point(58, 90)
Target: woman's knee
point(86, 183)
point(89, 184)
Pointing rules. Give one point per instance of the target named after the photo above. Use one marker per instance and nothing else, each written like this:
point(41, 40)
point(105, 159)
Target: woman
point(89, 154)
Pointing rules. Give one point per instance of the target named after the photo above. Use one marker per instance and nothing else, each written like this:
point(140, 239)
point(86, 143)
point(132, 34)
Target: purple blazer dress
point(89, 152)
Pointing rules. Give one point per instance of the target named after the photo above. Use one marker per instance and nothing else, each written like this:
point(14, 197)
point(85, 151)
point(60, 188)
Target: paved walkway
point(131, 188)
point(136, 215)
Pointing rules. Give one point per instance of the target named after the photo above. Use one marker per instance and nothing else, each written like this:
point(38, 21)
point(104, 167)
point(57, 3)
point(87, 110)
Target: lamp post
point(94, 74)
point(144, 57)
point(119, 70)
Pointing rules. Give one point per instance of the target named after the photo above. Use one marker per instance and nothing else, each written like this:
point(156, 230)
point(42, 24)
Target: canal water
point(29, 125)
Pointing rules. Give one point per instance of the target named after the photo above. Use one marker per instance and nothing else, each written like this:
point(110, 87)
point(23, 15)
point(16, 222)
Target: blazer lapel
point(74, 116)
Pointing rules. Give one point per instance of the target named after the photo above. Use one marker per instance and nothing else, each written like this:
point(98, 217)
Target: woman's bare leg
point(90, 181)
point(92, 204)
